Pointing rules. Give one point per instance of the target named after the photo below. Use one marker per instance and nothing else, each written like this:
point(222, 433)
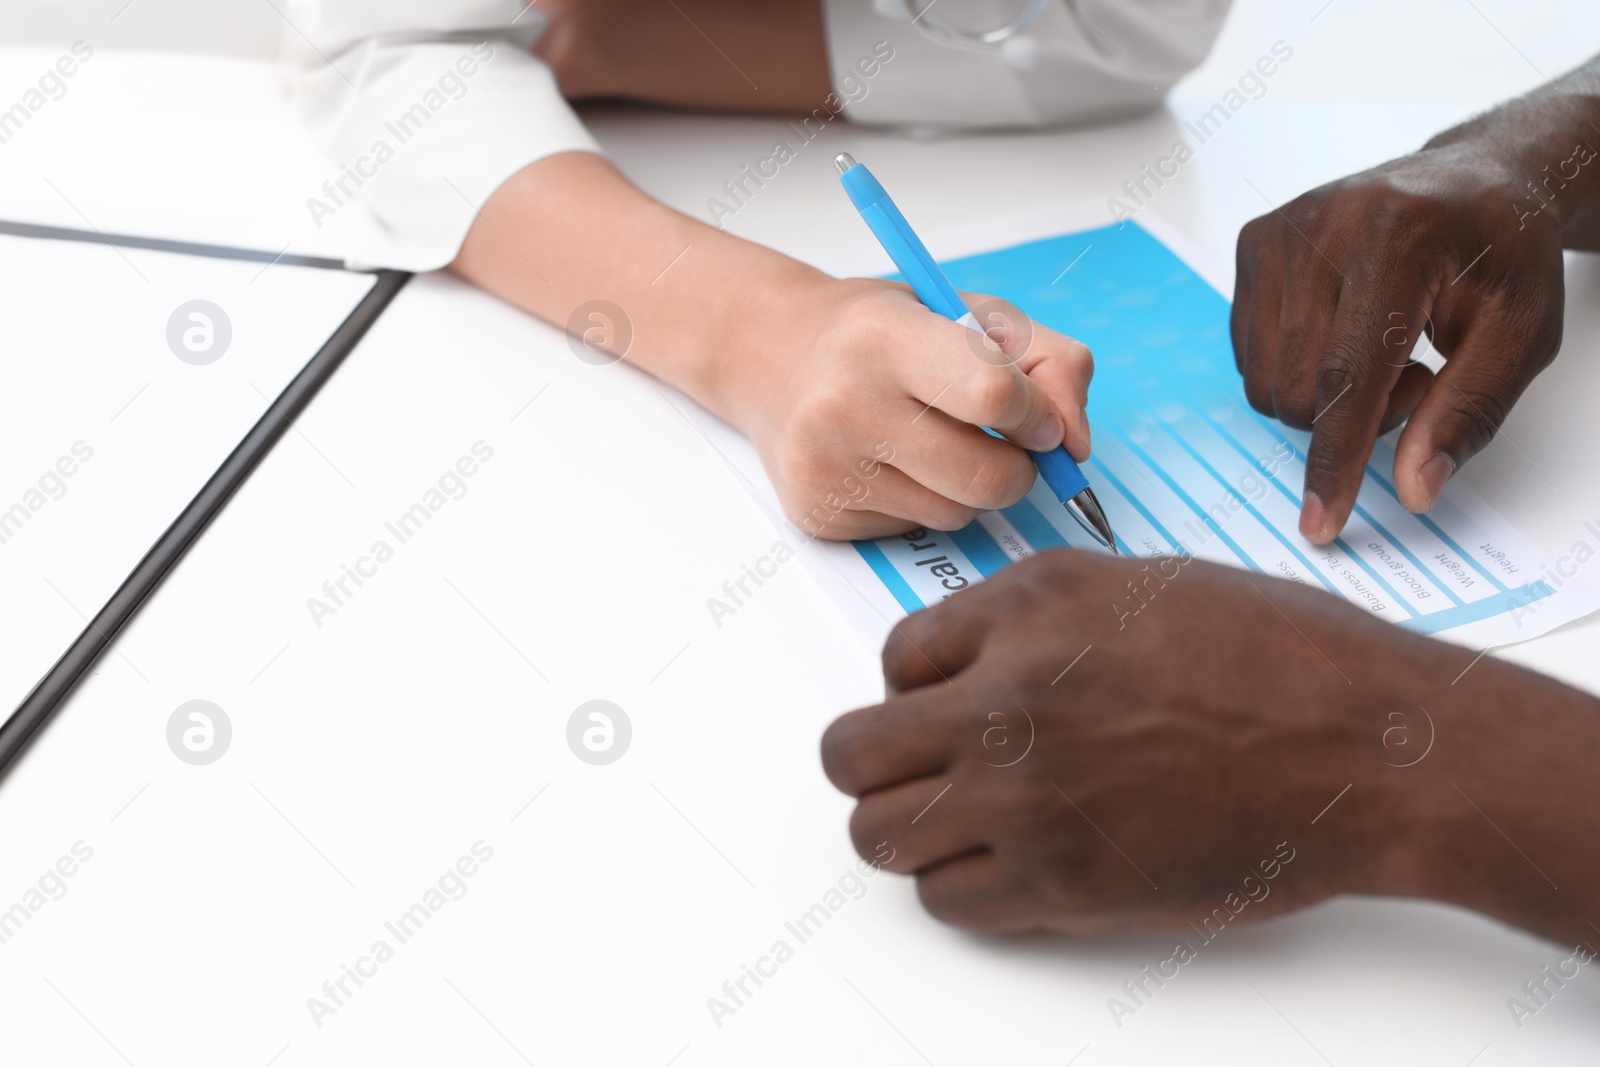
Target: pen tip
point(844, 161)
point(1086, 509)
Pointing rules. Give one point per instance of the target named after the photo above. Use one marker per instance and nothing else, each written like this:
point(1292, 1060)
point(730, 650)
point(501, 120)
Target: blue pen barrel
point(1058, 469)
point(1060, 472)
point(892, 230)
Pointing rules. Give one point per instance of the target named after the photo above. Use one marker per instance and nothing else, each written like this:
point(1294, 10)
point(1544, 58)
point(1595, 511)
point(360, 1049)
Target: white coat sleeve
point(1080, 61)
point(424, 108)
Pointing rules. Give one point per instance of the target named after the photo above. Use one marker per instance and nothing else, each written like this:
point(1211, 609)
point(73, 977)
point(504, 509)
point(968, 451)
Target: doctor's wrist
point(751, 337)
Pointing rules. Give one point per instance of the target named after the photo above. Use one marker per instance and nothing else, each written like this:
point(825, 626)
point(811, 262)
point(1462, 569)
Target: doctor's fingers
point(961, 372)
point(1062, 366)
point(886, 503)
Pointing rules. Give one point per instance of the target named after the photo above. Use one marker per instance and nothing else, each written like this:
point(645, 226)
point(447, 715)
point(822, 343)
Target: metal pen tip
point(844, 161)
point(1085, 507)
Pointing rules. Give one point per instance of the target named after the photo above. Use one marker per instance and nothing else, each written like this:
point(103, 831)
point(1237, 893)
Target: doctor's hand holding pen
point(867, 366)
point(867, 408)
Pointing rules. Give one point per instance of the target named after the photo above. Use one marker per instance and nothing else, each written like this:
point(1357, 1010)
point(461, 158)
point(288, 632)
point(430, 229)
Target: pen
point(1059, 470)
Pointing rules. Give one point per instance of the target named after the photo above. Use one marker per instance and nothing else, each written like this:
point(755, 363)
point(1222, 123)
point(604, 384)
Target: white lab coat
point(1091, 59)
point(425, 107)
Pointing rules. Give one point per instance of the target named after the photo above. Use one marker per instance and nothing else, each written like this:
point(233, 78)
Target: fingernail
point(1314, 519)
point(1049, 434)
point(1434, 474)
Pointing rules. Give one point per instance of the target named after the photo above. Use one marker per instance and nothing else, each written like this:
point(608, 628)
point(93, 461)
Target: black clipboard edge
point(51, 692)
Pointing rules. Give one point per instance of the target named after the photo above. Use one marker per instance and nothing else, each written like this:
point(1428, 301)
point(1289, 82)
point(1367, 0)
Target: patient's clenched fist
point(1086, 744)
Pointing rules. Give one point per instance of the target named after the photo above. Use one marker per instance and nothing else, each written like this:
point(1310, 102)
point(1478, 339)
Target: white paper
point(1206, 476)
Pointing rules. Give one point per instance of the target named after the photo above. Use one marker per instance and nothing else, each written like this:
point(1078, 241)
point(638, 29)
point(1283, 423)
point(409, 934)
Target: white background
point(370, 753)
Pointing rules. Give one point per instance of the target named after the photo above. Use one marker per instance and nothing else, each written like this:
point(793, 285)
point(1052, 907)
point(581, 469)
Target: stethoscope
point(1011, 41)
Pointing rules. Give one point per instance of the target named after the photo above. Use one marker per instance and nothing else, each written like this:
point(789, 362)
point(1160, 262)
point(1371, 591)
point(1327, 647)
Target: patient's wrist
point(1547, 146)
point(1501, 816)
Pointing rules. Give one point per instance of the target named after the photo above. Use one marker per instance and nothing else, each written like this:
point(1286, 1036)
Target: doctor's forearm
point(690, 304)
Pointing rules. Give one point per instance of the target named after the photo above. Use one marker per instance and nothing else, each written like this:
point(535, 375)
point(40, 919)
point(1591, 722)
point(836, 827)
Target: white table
point(430, 711)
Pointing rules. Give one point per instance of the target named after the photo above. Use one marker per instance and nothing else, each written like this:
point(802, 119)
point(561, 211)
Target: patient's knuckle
point(1250, 235)
point(943, 903)
point(916, 627)
point(1063, 869)
point(1258, 388)
point(1538, 317)
point(1294, 389)
point(866, 830)
point(836, 751)
point(1307, 211)
point(1293, 405)
point(1017, 592)
point(1396, 221)
point(1482, 411)
point(902, 651)
point(1343, 369)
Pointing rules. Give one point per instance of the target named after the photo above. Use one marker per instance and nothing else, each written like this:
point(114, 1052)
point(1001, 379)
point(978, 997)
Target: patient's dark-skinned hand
point(1460, 242)
point(1085, 744)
